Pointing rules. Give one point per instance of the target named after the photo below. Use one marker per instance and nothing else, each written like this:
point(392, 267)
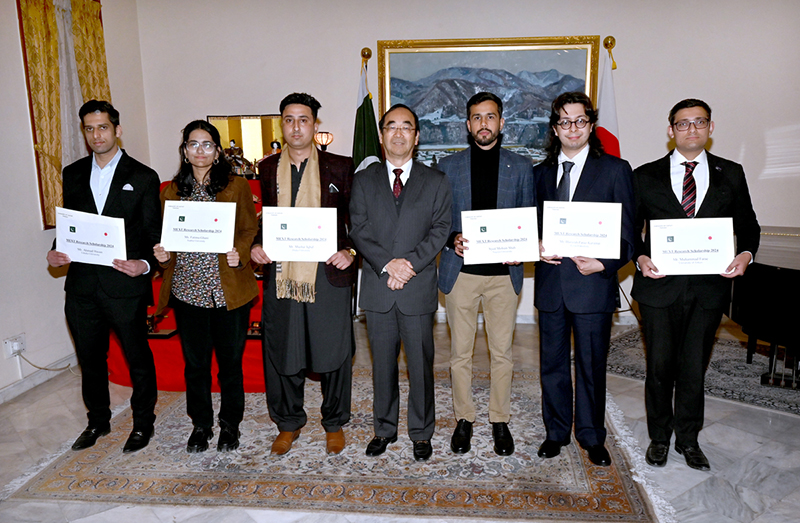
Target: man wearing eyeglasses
point(576, 297)
point(400, 211)
point(680, 314)
point(483, 176)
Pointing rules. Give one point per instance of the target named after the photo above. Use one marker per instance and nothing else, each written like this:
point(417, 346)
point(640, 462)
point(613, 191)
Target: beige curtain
point(40, 48)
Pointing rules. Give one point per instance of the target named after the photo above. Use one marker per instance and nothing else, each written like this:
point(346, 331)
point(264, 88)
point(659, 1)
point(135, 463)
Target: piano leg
point(752, 341)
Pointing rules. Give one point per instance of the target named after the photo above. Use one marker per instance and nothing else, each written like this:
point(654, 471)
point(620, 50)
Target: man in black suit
point(307, 322)
point(400, 212)
point(99, 298)
point(577, 296)
point(680, 314)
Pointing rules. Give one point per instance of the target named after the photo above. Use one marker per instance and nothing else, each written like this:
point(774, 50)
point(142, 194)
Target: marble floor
point(754, 453)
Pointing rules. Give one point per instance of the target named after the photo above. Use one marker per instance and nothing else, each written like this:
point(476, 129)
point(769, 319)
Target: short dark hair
point(484, 96)
point(554, 144)
point(99, 106)
point(685, 104)
point(221, 172)
point(400, 106)
point(302, 99)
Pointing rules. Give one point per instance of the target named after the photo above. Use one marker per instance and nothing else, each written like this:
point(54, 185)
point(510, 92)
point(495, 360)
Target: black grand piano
point(766, 303)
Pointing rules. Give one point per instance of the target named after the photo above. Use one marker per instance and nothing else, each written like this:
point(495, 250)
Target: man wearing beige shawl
point(306, 311)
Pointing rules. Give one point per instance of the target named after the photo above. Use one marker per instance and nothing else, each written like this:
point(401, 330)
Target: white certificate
point(500, 235)
point(590, 229)
point(198, 226)
point(299, 233)
point(696, 246)
point(90, 238)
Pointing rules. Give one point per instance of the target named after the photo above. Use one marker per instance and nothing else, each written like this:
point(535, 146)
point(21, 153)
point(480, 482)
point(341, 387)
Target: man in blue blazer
point(680, 314)
point(400, 212)
point(100, 298)
point(483, 176)
point(577, 296)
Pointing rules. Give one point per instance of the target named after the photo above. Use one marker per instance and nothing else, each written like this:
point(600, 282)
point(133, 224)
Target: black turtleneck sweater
point(484, 170)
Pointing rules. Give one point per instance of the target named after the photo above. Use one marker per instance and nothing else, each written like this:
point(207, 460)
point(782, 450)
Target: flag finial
point(609, 43)
point(366, 53)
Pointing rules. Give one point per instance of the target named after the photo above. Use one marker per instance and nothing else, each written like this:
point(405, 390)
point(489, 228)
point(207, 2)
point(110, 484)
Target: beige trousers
point(499, 301)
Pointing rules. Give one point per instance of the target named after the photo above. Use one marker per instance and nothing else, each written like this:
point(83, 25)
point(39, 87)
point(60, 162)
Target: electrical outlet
point(14, 345)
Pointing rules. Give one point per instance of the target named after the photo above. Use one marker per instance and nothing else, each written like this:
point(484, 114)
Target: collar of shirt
point(405, 174)
point(575, 174)
point(100, 180)
point(700, 173)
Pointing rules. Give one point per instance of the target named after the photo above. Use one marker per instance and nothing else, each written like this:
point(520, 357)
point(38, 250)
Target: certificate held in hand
point(500, 235)
point(90, 238)
point(691, 246)
point(198, 226)
point(299, 234)
point(590, 229)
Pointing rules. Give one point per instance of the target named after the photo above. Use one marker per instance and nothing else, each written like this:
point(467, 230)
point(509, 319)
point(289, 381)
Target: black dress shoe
point(694, 457)
point(89, 437)
point(460, 442)
point(378, 445)
point(198, 441)
point(228, 437)
point(598, 455)
point(422, 450)
point(503, 441)
point(551, 448)
point(138, 440)
point(656, 454)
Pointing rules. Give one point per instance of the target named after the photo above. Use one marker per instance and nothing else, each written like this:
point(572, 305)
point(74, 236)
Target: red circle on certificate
point(519, 226)
point(216, 219)
point(600, 223)
point(105, 234)
point(709, 237)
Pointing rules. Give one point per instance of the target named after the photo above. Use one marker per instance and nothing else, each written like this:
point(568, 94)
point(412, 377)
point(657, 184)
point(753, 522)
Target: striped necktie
point(689, 189)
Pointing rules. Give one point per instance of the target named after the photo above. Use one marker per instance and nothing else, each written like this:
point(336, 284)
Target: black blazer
point(727, 196)
point(604, 179)
point(133, 196)
point(417, 234)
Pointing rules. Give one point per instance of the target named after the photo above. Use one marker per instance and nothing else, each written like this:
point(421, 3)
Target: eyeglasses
point(405, 129)
point(683, 125)
point(580, 123)
point(207, 146)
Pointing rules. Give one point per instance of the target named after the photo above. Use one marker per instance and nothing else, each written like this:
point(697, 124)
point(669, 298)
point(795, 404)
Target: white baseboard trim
point(36, 378)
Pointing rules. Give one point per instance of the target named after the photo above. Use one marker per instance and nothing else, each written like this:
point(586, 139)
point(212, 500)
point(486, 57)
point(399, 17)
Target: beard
point(485, 139)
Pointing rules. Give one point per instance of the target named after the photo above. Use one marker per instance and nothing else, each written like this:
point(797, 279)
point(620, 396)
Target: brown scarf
point(296, 280)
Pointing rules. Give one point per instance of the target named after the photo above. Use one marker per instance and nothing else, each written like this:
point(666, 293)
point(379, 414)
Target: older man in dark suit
point(680, 314)
point(577, 296)
point(401, 218)
point(306, 312)
point(100, 298)
point(483, 176)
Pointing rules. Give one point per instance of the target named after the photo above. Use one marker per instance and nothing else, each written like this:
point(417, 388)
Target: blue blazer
point(515, 188)
point(604, 179)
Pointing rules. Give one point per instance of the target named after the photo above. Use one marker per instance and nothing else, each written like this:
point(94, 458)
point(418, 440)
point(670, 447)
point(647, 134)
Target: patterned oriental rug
point(729, 376)
point(479, 485)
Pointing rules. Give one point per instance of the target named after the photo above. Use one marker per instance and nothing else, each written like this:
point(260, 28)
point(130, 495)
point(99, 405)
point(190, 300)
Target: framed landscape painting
point(437, 77)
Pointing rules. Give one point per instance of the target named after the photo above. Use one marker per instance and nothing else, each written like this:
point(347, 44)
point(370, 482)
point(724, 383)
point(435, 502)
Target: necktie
point(563, 186)
point(689, 189)
point(397, 188)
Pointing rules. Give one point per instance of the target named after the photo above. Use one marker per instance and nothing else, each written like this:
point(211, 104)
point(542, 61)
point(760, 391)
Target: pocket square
point(332, 188)
point(127, 187)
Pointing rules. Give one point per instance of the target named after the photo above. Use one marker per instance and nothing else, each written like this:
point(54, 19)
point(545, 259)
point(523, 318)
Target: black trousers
point(592, 334)
point(202, 332)
point(679, 339)
point(385, 331)
point(90, 319)
point(285, 396)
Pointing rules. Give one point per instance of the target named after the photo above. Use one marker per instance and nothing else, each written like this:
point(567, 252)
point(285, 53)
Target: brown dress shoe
point(284, 441)
point(335, 441)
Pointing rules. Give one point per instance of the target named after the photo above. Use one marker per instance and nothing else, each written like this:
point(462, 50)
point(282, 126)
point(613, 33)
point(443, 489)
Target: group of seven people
point(399, 215)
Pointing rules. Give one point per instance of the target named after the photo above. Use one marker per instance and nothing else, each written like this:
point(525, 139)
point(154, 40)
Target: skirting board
point(36, 378)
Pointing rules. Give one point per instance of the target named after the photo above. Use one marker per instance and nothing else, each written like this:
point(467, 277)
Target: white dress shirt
point(575, 174)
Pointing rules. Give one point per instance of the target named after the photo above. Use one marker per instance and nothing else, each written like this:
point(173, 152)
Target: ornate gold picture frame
point(437, 77)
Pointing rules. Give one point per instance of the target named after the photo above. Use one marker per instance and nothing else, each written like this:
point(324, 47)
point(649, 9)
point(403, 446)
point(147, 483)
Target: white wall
point(171, 62)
